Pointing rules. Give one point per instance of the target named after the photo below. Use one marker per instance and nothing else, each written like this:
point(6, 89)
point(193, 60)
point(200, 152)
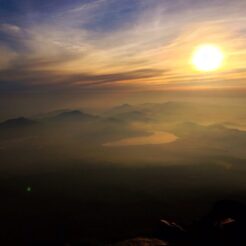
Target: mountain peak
point(74, 115)
point(17, 122)
point(124, 106)
point(71, 113)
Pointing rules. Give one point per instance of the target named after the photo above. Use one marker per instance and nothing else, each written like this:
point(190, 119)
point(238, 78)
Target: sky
point(113, 47)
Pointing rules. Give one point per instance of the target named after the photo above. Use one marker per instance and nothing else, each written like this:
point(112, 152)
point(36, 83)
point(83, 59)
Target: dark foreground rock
point(143, 242)
point(225, 225)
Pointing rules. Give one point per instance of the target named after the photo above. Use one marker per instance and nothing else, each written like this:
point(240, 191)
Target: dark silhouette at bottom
point(224, 225)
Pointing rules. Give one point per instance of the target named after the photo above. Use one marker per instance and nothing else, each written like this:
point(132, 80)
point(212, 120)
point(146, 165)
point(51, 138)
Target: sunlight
point(207, 58)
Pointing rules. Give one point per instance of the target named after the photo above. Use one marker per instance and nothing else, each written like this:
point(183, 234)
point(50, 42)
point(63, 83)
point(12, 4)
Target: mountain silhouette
point(123, 108)
point(17, 122)
point(74, 115)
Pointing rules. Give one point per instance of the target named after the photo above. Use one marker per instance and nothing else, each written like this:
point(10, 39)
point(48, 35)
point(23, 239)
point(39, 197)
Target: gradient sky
point(66, 46)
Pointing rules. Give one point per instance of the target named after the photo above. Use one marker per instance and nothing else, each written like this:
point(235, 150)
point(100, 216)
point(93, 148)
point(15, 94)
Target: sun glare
point(207, 58)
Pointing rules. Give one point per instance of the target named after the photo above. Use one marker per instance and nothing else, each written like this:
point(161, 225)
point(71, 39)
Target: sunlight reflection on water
point(155, 138)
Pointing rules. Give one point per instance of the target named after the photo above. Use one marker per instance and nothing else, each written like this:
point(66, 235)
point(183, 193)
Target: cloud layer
point(100, 44)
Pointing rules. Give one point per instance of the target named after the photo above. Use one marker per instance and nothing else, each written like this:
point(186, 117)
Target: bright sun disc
point(207, 58)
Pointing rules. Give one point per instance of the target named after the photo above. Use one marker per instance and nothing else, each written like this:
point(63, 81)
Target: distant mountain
point(124, 108)
point(17, 122)
point(217, 137)
point(74, 115)
point(50, 114)
point(134, 115)
point(168, 111)
point(182, 111)
point(171, 106)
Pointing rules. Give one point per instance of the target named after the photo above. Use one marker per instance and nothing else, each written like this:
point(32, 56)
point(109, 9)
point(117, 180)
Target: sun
point(207, 57)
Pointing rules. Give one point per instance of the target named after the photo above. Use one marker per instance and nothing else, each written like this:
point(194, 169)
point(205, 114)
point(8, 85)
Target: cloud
point(87, 6)
point(36, 80)
point(9, 28)
point(151, 41)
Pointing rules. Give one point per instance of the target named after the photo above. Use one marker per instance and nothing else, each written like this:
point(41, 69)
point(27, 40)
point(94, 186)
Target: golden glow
point(207, 58)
